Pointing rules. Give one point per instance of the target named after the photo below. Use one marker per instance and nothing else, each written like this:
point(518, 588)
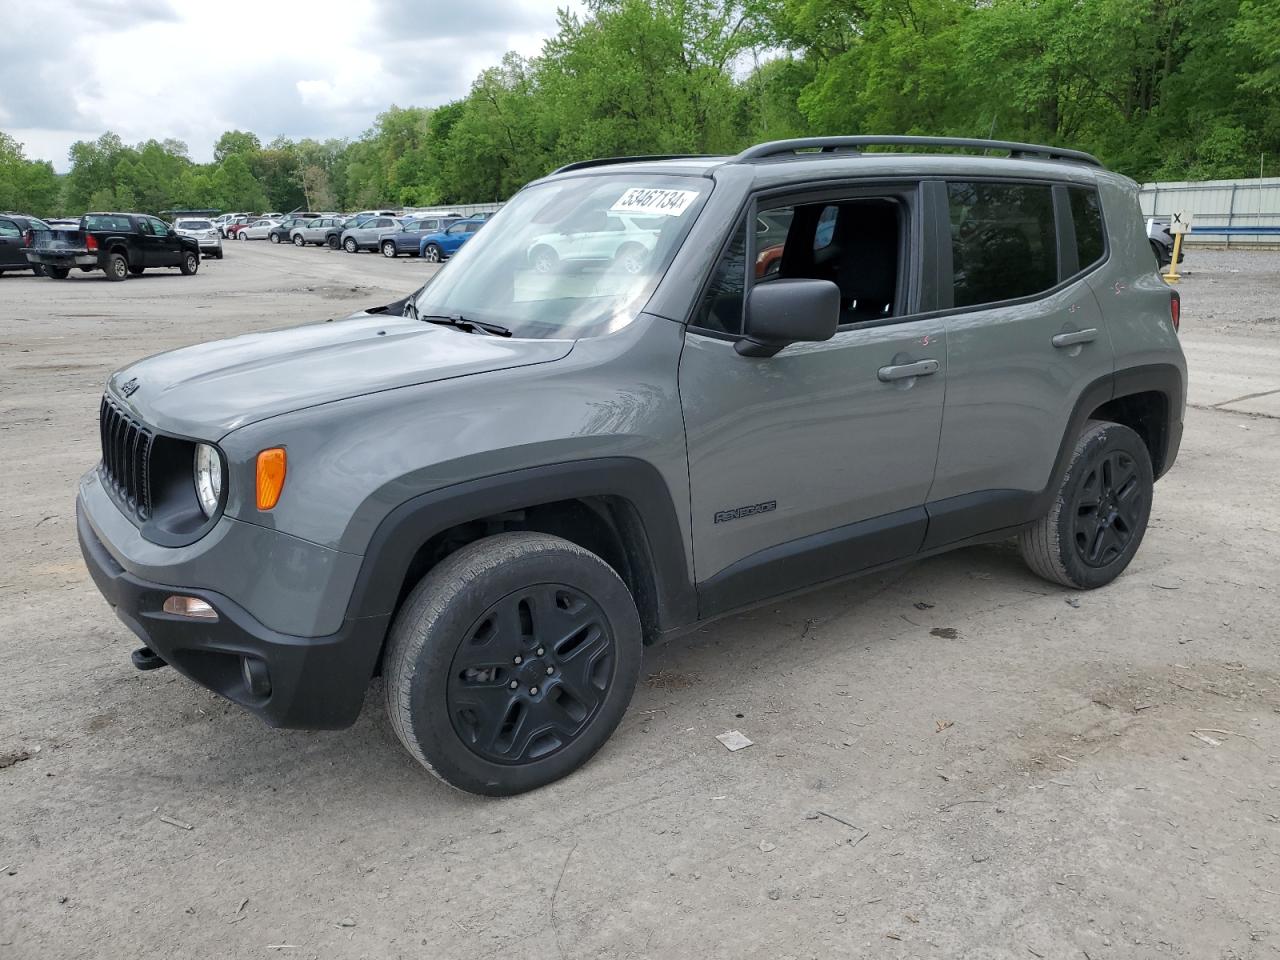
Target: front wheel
point(544, 259)
point(242, 235)
point(332, 242)
point(275, 238)
point(389, 249)
point(1098, 519)
point(432, 253)
point(37, 270)
point(512, 662)
point(190, 263)
point(350, 245)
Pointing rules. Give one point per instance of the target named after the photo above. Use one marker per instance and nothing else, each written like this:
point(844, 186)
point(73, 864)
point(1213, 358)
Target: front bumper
point(316, 683)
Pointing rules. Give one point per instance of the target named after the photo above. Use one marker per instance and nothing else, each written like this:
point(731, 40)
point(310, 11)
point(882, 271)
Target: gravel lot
point(954, 759)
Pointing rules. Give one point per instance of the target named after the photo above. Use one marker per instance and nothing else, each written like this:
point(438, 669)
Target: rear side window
point(1086, 214)
point(9, 229)
point(109, 222)
point(1003, 241)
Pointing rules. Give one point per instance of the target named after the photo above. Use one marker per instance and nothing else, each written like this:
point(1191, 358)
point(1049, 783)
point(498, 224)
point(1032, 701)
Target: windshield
point(569, 258)
point(193, 225)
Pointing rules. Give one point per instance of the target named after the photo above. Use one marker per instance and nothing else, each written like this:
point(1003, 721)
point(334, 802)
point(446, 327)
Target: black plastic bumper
point(316, 683)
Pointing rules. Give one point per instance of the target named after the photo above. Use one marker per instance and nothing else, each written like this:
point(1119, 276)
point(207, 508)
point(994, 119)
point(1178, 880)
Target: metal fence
point(461, 209)
point(1226, 212)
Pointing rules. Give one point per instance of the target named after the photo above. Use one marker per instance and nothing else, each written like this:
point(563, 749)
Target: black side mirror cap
point(783, 312)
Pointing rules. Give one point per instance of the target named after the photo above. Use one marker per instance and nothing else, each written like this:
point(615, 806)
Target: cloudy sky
point(190, 70)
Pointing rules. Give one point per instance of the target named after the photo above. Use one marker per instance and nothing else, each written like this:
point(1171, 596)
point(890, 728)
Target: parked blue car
point(408, 238)
point(436, 246)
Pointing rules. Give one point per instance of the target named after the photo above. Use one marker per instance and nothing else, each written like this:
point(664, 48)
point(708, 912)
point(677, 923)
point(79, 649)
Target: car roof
point(838, 158)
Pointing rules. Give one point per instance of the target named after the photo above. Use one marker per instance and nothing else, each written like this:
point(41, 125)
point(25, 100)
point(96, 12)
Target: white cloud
point(324, 68)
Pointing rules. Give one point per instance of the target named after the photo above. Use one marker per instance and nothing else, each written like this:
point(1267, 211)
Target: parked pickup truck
point(120, 244)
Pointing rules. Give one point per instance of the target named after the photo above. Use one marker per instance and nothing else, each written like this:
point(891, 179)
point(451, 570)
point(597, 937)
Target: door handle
point(904, 371)
point(1075, 337)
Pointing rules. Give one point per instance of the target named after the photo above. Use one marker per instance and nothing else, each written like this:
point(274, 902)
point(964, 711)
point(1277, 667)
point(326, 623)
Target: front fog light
point(181, 606)
point(208, 471)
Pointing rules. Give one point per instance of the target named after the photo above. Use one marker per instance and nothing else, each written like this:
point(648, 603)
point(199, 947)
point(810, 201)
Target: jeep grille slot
point(126, 458)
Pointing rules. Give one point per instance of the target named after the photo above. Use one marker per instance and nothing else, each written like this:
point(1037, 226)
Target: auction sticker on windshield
point(648, 200)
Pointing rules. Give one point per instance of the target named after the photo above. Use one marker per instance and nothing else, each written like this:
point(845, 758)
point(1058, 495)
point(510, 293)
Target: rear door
point(1025, 338)
point(11, 254)
point(815, 463)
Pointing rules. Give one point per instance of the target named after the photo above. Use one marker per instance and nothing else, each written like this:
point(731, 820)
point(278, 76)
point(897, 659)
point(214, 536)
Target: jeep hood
point(210, 389)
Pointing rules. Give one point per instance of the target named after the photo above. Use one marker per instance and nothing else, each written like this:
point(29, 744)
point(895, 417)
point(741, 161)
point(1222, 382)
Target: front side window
point(9, 229)
point(1003, 241)
point(1086, 214)
point(546, 270)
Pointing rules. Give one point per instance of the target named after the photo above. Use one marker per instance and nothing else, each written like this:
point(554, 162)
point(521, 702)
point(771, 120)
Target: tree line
point(1158, 89)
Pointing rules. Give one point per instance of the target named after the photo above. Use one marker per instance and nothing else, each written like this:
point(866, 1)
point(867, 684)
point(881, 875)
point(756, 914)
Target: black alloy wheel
point(1110, 508)
point(531, 674)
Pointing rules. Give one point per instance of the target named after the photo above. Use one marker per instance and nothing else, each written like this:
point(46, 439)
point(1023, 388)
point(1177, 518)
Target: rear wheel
point(298, 241)
point(432, 253)
point(350, 245)
point(117, 267)
point(389, 248)
point(190, 263)
point(275, 238)
point(631, 258)
point(512, 662)
point(332, 242)
point(57, 273)
point(1162, 258)
point(242, 235)
point(37, 270)
point(1098, 519)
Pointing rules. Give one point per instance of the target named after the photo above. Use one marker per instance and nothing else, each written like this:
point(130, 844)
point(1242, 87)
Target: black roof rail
point(827, 145)
point(606, 161)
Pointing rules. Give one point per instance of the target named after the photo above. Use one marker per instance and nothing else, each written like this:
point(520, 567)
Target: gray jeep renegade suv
point(654, 391)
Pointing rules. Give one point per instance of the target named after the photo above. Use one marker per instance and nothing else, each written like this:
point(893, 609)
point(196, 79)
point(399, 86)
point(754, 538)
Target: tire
point(37, 270)
point(242, 236)
point(350, 245)
point(1162, 259)
point(432, 253)
point(57, 273)
point(117, 267)
point(190, 264)
point(631, 259)
point(136, 271)
point(1100, 515)
point(332, 242)
point(275, 238)
point(298, 241)
point(218, 255)
point(454, 651)
point(389, 249)
point(544, 259)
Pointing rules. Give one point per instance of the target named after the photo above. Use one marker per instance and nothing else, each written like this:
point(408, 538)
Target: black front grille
point(126, 458)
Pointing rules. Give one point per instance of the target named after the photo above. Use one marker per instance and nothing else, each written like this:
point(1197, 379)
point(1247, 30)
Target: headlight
point(208, 471)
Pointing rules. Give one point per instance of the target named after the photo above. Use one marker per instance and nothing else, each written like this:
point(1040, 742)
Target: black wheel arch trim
point(651, 530)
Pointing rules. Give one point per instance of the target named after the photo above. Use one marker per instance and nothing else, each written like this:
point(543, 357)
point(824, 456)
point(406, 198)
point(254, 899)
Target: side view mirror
point(784, 312)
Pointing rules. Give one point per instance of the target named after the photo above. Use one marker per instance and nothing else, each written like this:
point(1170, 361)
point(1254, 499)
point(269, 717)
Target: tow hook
point(144, 658)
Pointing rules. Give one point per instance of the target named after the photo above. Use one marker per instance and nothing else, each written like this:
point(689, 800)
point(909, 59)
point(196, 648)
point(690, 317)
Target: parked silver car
point(367, 233)
point(204, 232)
point(314, 232)
point(257, 230)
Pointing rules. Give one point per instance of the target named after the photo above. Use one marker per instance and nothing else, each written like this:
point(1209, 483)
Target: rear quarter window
point(1003, 241)
point(1086, 215)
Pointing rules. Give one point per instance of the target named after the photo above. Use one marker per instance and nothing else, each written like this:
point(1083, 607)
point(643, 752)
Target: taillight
point(1175, 309)
point(29, 238)
point(90, 242)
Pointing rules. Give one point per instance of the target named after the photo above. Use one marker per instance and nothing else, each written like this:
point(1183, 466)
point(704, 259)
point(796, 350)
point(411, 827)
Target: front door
point(815, 463)
point(1026, 339)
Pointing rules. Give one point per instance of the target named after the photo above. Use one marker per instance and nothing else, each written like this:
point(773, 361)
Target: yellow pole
point(1173, 276)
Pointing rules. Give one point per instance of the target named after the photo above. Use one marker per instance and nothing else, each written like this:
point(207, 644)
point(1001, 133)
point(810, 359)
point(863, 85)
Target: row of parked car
point(433, 237)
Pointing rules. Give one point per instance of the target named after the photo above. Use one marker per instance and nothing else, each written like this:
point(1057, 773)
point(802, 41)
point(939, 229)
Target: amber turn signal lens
point(271, 465)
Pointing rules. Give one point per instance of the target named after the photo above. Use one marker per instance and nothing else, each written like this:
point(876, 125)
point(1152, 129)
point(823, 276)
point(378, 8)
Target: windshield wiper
point(462, 323)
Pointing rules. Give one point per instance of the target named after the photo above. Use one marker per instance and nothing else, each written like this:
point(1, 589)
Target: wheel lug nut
point(533, 691)
point(514, 684)
point(518, 660)
point(550, 671)
point(541, 651)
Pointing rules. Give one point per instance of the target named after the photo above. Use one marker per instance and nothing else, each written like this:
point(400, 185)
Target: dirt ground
point(954, 759)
